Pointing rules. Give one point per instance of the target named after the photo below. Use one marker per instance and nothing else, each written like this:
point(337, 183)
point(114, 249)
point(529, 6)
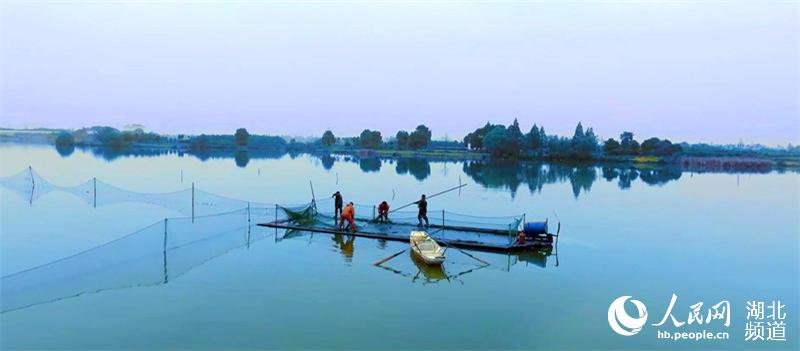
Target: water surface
point(647, 233)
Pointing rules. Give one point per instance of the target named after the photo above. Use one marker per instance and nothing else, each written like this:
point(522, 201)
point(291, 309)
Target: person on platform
point(383, 212)
point(349, 215)
point(337, 204)
point(422, 205)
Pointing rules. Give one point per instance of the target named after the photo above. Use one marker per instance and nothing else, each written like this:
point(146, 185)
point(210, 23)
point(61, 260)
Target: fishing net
point(212, 226)
point(498, 231)
point(30, 186)
point(150, 256)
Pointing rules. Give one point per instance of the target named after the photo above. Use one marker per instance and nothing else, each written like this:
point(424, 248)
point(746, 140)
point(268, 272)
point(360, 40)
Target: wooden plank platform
point(546, 241)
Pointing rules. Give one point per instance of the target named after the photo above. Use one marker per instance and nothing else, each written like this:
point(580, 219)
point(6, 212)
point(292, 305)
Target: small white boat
point(426, 248)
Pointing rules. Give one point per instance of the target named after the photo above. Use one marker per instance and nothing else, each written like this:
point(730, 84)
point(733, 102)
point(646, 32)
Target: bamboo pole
point(384, 260)
point(429, 197)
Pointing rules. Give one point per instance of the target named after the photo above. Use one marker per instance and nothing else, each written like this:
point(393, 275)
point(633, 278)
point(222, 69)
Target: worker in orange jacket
point(349, 215)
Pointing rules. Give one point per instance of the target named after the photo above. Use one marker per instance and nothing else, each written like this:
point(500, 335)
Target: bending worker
point(422, 205)
point(349, 215)
point(337, 204)
point(383, 212)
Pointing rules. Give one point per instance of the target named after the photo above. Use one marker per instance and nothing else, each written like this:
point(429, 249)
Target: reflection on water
point(65, 149)
point(458, 265)
point(420, 168)
point(346, 245)
point(510, 175)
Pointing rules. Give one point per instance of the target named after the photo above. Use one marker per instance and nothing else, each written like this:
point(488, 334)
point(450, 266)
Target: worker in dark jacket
point(383, 212)
point(422, 205)
point(337, 204)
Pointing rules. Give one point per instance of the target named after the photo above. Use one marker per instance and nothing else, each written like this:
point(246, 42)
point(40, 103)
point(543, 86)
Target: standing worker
point(383, 212)
point(349, 215)
point(422, 205)
point(337, 204)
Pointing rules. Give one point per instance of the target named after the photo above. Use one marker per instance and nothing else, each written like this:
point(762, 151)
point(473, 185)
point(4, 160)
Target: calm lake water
point(706, 237)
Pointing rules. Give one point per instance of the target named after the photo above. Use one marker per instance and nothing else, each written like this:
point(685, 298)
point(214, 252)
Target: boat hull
point(427, 259)
point(426, 248)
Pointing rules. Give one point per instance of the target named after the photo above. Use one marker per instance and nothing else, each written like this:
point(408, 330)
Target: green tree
point(587, 145)
point(650, 146)
point(611, 147)
point(576, 138)
point(242, 136)
point(514, 133)
point(658, 147)
point(371, 139)
point(199, 143)
point(500, 143)
point(420, 137)
point(402, 139)
point(475, 139)
point(328, 138)
point(493, 141)
point(628, 145)
point(534, 139)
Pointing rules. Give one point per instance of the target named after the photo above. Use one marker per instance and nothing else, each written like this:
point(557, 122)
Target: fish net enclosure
point(30, 186)
point(209, 226)
point(500, 230)
point(369, 214)
point(150, 256)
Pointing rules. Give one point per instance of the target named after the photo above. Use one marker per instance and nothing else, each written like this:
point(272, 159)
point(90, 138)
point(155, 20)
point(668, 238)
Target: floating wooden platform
point(462, 237)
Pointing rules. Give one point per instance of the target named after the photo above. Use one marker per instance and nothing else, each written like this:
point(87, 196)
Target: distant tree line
point(420, 138)
point(119, 140)
point(500, 141)
point(510, 142)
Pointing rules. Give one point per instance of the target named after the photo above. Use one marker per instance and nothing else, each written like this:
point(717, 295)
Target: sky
point(699, 71)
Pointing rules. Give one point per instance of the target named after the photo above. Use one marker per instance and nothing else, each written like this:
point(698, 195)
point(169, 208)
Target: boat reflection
point(429, 272)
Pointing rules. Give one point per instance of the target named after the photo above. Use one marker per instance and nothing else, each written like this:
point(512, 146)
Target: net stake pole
point(94, 191)
point(373, 213)
point(166, 276)
point(313, 197)
point(276, 222)
point(192, 202)
point(33, 185)
point(442, 222)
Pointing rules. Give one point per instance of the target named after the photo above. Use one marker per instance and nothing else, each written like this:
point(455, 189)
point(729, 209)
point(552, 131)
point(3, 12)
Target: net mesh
point(212, 225)
point(497, 231)
point(30, 186)
point(150, 256)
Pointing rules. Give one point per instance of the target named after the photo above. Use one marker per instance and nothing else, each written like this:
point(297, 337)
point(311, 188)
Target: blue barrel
point(534, 228)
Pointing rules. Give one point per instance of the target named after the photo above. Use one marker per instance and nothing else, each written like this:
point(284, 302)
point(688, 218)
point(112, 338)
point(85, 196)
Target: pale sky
point(716, 71)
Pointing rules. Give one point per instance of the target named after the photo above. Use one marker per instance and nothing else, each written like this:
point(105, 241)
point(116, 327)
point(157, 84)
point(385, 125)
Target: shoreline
point(705, 163)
